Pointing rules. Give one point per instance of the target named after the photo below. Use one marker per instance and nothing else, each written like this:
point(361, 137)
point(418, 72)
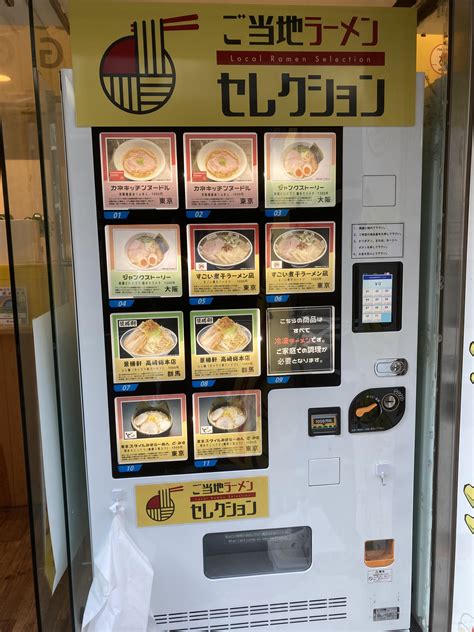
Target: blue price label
point(276, 212)
point(116, 214)
point(277, 298)
point(203, 383)
point(133, 467)
point(121, 302)
point(125, 388)
point(209, 463)
point(201, 300)
point(197, 214)
point(279, 379)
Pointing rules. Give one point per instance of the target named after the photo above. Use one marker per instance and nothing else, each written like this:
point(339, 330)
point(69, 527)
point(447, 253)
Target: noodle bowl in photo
point(222, 160)
point(139, 159)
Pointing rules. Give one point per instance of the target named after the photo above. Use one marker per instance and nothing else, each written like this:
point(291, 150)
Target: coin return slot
point(379, 553)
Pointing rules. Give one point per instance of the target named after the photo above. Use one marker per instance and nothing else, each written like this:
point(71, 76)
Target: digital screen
point(324, 421)
point(377, 298)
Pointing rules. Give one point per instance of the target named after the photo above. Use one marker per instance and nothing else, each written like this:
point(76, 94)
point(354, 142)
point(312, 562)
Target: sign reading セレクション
point(202, 501)
point(165, 64)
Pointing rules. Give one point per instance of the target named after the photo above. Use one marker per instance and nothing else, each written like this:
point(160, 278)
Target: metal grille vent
point(255, 616)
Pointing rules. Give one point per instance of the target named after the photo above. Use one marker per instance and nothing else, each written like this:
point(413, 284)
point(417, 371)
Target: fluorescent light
point(4, 78)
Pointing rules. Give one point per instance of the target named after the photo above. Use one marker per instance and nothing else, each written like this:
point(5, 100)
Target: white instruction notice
point(379, 575)
point(377, 241)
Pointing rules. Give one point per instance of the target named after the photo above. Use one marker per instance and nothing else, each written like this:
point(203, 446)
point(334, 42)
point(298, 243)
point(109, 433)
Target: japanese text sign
point(202, 501)
point(186, 64)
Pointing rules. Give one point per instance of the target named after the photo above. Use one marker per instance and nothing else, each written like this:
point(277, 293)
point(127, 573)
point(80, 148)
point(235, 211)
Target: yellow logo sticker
point(188, 64)
point(202, 501)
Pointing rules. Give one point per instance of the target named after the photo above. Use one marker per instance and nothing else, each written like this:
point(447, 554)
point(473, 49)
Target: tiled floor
point(17, 599)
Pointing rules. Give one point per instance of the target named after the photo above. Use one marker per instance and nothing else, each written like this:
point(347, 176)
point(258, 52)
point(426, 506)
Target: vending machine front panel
point(258, 424)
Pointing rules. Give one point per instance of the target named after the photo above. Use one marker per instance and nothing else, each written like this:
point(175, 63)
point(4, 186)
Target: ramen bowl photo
point(224, 336)
point(227, 416)
point(151, 423)
point(146, 251)
point(149, 339)
point(139, 159)
point(222, 160)
point(300, 247)
point(301, 160)
point(224, 248)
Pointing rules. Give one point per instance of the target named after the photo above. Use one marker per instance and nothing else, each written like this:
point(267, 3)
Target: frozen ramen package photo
point(143, 261)
point(139, 170)
point(300, 169)
point(300, 257)
point(147, 347)
point(223, 259)
point(227, 424)
point(151, 428)
point(221, 170)
point(225, 343)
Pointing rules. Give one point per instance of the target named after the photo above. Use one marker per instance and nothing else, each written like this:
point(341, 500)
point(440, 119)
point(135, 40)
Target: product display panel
point(210, 295)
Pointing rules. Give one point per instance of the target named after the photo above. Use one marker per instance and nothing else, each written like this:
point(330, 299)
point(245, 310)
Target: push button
point(379, 190)
point(324, 472)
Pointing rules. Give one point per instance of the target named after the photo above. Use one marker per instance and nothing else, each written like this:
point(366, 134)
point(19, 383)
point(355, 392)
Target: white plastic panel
point(379, 190)
point(324, 471)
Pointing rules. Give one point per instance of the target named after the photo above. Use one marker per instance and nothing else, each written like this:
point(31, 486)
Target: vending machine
point(247, 307)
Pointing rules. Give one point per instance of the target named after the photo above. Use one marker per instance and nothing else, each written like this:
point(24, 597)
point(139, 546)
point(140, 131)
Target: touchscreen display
point(377, 298)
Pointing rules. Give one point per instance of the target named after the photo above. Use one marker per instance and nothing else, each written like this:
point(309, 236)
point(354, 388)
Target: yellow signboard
point(195, 502)
point(168, 64)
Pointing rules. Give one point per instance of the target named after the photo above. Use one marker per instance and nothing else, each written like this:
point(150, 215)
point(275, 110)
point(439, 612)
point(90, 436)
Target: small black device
point(324, 421)
point(377, 296)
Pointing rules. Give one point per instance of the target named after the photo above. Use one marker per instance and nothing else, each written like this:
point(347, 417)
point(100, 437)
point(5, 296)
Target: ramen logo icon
point(136, 72)
point(161, 507)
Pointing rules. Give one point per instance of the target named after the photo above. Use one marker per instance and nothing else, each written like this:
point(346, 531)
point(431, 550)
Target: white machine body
point(349, 488)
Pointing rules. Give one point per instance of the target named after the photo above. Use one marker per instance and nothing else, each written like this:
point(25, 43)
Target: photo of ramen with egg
point(300, 169)
point(151, 428)
point(143, 260)
point(129, 158)
point(227, 424)
point(226, 164)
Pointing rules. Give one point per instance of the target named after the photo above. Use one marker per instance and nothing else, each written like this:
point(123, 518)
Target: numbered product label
point(300, 257)
point(139, 170)
point(300, 170)
point(221, 170)
point(148, 347)
point(227, 424)
point(223, 259)
point(225, 343)
point(151, 429)
point(143, 261)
